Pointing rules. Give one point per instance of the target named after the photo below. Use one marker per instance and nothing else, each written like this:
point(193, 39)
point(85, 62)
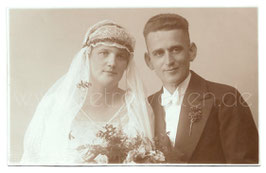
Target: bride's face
point(108, 64)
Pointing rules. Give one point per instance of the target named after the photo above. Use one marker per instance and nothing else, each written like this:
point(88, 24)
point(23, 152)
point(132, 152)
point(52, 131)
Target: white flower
point(101, 159)
point(87, 155)
point(132, 162)
point(159, 156)
point(130, 156)
point(152, 153)
point(142, 151)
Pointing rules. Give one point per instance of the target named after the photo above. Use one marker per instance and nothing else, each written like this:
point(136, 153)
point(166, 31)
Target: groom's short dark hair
point(168, 21)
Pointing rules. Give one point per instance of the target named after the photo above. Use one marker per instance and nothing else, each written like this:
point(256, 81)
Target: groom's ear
point(148, 60)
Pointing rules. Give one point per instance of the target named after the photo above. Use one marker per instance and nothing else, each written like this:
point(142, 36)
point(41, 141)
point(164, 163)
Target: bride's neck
point(103, 96)
point(102, 89)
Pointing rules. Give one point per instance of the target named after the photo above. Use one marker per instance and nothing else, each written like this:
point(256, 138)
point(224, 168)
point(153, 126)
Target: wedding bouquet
point(117, 147)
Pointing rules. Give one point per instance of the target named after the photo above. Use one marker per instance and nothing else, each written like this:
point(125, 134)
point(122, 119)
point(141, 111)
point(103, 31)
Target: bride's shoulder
point(80, 117)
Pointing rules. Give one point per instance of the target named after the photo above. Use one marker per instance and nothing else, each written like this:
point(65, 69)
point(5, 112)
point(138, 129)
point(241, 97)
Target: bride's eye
point(103, 53)
point(121, 56)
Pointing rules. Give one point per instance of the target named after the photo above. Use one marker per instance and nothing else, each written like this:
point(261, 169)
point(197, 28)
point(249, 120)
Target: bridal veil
point(46, 138)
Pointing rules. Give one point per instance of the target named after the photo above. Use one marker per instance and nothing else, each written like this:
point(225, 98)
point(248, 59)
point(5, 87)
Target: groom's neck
point(171, 87)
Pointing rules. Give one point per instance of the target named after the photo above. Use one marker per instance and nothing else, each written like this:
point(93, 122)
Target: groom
point(196, 121)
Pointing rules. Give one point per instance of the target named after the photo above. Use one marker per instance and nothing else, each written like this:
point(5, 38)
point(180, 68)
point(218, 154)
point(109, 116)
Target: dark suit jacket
point(222, 131)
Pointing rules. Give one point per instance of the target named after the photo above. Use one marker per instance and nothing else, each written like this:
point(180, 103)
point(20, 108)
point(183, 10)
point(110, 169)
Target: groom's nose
point(168, 58)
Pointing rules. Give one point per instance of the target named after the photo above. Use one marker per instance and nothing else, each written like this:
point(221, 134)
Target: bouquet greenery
point(117, 147)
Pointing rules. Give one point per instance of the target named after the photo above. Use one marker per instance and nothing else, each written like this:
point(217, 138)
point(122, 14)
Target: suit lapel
point(194, 100)
point(158, 110)
point(160, 126)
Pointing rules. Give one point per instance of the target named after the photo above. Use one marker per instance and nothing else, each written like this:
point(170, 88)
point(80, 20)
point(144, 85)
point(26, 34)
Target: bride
point(87, 98)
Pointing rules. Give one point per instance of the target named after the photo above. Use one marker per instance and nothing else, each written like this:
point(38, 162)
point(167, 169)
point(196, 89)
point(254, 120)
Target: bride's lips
point(110, 72)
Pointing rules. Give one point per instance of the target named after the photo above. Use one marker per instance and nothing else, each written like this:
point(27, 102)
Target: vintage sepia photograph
point(133, 86)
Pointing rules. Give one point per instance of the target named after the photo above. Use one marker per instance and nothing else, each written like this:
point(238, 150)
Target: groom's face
point(169, 55)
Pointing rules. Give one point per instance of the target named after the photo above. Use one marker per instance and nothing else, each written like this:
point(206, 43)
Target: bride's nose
point(111, 60)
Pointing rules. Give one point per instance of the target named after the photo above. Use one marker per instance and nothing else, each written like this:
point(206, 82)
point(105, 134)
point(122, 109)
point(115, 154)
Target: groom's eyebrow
point(179, 47)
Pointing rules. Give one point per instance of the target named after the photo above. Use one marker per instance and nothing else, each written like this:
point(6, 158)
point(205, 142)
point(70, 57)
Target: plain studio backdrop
point(43, 42)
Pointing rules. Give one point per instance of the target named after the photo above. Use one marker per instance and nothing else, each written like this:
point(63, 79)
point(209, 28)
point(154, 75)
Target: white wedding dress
point(84, 129)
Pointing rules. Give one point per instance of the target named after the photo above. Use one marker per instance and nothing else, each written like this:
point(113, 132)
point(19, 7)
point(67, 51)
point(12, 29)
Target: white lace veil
point(46, 139)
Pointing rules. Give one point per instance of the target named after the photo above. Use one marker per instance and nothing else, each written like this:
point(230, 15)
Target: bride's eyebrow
point(103, 49)
point(123, 52)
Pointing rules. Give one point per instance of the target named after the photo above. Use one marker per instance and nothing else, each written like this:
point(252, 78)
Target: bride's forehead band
point(109, 32)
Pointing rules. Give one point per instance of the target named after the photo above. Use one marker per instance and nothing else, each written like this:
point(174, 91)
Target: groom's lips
point(171, 69)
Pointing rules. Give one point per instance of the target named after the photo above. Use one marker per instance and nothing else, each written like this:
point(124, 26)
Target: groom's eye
point(158, 53)
point(176, 49)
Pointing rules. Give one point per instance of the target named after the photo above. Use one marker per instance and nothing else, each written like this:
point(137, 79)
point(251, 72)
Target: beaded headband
point(109, 33)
